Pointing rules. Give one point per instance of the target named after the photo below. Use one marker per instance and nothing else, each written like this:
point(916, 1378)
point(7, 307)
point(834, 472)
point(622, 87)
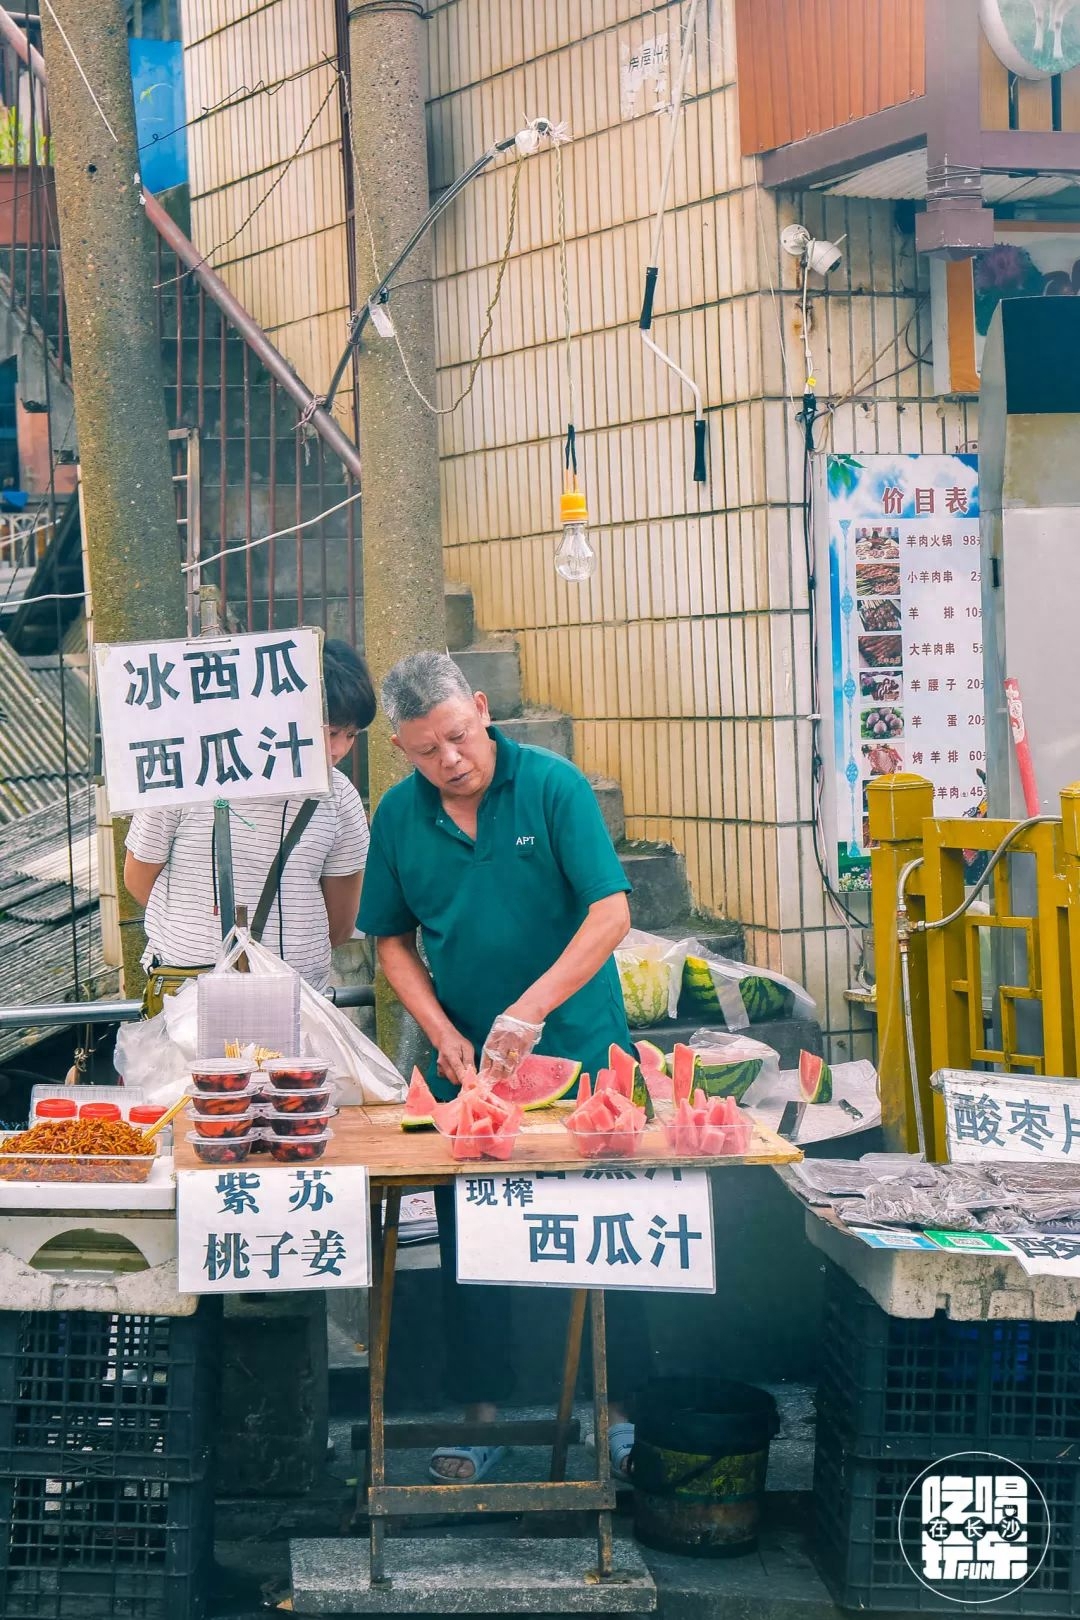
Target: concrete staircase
point(660, 900)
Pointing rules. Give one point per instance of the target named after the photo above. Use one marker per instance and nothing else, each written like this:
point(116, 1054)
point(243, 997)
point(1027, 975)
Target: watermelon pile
point(708, 1127)
point(479, 1124)
point(765, 998)
point(607, 1123)
point(537, 1082)
point(727, 1071)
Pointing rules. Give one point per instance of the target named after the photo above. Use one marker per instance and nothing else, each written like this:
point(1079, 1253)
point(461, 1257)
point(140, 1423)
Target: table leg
point(571, 1363)
point(383, 1253)
point(601, 1424)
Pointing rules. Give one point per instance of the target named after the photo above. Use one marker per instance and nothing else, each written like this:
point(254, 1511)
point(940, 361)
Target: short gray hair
point(419, 684)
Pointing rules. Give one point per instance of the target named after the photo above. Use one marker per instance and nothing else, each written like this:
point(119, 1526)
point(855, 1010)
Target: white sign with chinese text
point(642, 65)
point(236, 717)
point(1010, 1117)
point(644, 1229)
point(243, 1230)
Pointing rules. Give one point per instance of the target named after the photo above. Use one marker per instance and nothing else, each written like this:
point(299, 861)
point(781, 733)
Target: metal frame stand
point(555, 1495)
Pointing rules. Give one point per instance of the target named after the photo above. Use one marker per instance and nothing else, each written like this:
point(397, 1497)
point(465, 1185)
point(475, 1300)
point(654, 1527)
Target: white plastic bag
point(650, 973)
point(160, 1051)
point(738, 992)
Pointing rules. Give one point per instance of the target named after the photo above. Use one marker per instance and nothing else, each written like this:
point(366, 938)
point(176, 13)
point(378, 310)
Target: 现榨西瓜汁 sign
point(237, 717)
point(245, 1231)
point(603, 1228)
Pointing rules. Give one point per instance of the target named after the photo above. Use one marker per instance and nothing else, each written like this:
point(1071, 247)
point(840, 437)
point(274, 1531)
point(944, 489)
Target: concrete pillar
point(404, 606)
point(128, 500)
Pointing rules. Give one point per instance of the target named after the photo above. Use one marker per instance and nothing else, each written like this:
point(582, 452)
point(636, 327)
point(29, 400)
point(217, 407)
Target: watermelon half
point(815, 1078)
point(537, 1082)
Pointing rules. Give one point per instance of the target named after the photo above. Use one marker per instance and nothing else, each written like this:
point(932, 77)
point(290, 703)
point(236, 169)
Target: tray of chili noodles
point(78, 1150)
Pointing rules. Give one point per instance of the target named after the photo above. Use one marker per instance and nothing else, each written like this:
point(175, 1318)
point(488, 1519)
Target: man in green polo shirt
point(498, 854)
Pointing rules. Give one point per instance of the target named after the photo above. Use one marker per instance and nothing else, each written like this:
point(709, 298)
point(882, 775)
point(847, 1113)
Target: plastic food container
point(100, 1111)
point(315, 1101)
point(211, 1105)
point(71, 1167)
point(297, 1149)
point(226, 1126)
point(146, 1114)
point(715, 1140)
point(480, 1147)
point(227, 1150)
point(296, 1074)
point(300, 1124)
point(55, 1108)
point(221, 1074)
point(607, 1144)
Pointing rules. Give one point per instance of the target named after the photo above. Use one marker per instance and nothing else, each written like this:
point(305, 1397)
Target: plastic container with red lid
point(55, 1108)
point(100, 1111)
point(146, 1114)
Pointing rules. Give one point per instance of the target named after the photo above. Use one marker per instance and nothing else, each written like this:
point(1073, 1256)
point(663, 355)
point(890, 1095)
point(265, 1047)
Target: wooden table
point(397, 1160)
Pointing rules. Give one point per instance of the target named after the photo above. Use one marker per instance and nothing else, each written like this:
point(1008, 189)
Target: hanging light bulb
point(575, 558)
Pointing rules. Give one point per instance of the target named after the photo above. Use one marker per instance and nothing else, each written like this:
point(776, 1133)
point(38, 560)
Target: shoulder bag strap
point(273, 877)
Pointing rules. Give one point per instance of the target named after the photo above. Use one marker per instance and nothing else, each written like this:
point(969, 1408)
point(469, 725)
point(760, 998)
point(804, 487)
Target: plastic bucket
point(701, 1451)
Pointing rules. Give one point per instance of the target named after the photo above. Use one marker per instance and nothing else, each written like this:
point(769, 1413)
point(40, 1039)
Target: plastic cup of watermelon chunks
point(606, 1144)
point(708, 1128)
point(478, 1125)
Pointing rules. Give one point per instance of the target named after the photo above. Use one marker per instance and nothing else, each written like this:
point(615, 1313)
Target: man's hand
point(456, 1057)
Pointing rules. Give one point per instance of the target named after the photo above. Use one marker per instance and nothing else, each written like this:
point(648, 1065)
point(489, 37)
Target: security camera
point(821, 257)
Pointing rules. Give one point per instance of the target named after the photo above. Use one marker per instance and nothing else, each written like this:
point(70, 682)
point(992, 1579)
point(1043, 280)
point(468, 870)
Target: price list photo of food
point(905, 638)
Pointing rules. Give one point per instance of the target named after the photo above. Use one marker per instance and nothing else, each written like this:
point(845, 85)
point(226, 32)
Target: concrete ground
point(777, 1582)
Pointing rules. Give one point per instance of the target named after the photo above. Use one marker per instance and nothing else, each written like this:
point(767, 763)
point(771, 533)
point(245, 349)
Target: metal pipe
point(234, 312)
point(129, 1012)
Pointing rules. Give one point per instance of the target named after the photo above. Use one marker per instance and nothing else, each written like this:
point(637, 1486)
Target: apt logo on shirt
point(525, 841)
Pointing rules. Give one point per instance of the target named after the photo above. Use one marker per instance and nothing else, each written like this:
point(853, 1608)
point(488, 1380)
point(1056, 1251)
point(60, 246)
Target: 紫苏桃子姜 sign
point(609, 1228)
point(237, 717)
point(242, 1231)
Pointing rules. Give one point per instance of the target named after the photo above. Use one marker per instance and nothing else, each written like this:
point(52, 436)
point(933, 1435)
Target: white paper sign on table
point(243, 1230)
point(188, 722)
point(642, 1229)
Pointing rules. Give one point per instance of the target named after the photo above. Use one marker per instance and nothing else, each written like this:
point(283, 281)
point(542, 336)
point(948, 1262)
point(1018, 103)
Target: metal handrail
point(271, 358)
point(129, 1012)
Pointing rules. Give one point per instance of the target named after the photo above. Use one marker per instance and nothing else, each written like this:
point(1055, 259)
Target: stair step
point(609, 796)
point(492, 666)
point(460, 618)
point(542, 728)
point(660, 890)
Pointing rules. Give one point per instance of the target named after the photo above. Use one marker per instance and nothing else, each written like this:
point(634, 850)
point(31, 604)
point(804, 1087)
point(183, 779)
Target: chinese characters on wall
point(252, 1231)
point(241, 717)
point(906, 637)
point(640, 1229)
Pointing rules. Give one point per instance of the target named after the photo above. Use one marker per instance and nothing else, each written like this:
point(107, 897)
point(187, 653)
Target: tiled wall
point(273, 67)
point(685, 662)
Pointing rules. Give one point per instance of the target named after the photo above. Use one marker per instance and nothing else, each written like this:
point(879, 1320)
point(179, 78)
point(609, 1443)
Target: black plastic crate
point(86, 1393)
point(890, 1386)
point(105, 1549)
point(858, 1550)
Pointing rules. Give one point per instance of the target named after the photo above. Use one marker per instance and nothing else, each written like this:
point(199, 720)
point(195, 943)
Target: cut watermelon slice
point(419, 1105)
point(815, 1078)
point(538, 1081)
point(683, 1064)
point(654, 1071)
point(630, 1078)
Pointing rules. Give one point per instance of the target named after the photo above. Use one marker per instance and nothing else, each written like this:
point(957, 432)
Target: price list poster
point(903, 650)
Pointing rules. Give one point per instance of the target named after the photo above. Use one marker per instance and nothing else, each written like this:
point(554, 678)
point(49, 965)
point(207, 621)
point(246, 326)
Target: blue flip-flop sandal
point(483, 1458)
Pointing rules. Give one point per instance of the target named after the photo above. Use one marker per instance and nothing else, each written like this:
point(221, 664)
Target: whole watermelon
point(645, 990)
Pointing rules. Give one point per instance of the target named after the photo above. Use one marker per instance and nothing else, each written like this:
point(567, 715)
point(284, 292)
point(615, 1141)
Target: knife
point(790, 1120)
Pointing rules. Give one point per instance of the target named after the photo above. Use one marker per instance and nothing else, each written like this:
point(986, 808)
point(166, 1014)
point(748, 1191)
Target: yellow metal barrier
point(1018, 1014)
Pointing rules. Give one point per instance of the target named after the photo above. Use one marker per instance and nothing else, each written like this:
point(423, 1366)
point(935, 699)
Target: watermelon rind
point(765, 999)
point(625, 1063)
point(539, 1081)
point(815, 1078)
point(719, 1079)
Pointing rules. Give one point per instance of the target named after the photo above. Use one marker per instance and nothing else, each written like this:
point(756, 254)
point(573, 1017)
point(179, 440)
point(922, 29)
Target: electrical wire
point(263, 200)
point(262, 540)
